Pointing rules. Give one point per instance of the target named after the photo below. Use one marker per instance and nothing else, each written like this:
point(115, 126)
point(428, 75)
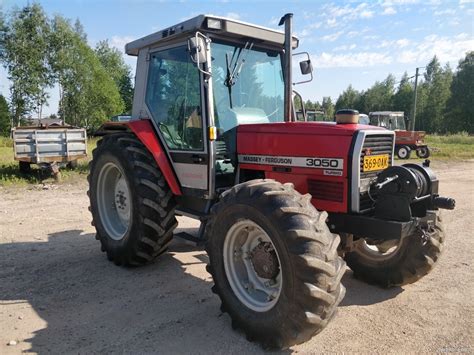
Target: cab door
point(174, 100)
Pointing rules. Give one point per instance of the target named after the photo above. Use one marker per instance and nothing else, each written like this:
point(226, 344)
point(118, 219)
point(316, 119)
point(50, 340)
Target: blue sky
point(350, 42)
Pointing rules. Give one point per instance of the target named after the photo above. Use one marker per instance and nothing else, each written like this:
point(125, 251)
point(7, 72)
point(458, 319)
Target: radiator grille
point(326, 190)
point(377, 144)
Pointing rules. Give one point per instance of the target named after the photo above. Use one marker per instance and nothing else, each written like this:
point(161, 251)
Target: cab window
point(173, 98)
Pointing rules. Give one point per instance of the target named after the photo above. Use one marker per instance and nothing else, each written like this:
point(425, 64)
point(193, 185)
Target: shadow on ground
point(91, 305)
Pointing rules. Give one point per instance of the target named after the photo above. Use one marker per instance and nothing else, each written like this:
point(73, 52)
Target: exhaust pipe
point(288, 108)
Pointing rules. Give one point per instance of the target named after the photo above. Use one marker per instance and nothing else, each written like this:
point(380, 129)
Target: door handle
point(197, 158)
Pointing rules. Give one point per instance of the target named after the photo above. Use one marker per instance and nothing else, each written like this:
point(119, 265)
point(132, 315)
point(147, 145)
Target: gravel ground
point(59, 294)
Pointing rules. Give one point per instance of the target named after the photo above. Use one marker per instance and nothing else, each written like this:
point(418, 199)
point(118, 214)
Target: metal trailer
point(49, 148)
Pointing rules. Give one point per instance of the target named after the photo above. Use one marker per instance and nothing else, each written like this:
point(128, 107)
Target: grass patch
point(10, 173)
point(453, 146)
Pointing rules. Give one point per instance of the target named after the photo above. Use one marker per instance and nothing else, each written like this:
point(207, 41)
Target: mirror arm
point(303, 110)
point(198, 64)
point(310, 79)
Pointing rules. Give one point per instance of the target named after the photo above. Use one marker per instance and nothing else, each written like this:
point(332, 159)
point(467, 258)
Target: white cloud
point(361, 59)
point(366, 14)
point(344, 47)
point(119, 42)
point(399, 43)
point(444, 12)
point(332, 37)
point(332, 22)
point(233, 15)
point(339, 15)
point(389, 11)
point(352, 34)
point(447, 49)
point(402, 42)
point(398, 2)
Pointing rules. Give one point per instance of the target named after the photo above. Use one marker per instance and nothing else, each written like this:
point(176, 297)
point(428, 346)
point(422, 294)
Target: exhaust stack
point(288, 108)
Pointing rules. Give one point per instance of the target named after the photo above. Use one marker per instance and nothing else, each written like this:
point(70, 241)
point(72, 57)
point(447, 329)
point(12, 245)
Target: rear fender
point(145, 132)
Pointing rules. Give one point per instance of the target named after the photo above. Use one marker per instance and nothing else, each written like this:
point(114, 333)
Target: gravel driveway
point(58, 292)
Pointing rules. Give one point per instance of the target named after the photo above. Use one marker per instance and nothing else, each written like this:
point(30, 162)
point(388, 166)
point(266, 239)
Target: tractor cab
point(394, 121)
point(197, 82)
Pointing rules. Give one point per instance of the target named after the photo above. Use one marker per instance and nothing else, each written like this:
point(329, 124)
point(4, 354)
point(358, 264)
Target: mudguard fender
point(145, 132)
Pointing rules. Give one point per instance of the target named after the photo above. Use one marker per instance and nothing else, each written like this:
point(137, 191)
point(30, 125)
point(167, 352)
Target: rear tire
point(423, 152)
point(412, 259)
point(404, 152)
point(309, 271)
point(25, 167)
point(131, 204)
point(72, 164)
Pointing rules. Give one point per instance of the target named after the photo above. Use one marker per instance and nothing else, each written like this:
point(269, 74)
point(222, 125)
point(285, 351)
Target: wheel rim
point(380, 252)
point(422, 152)
point(114, 203)
point(403, 152)
point(252, 266)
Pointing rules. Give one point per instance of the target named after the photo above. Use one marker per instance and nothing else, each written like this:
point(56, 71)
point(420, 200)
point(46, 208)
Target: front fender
point(145, 132)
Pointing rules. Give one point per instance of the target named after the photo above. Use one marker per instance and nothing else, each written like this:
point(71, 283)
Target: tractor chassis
point(376, 228)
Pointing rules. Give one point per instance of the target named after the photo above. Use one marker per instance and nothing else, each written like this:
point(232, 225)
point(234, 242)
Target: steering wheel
point(273, 113)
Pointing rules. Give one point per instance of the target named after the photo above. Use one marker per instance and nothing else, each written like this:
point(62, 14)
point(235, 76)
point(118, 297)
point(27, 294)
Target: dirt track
point(58, 292)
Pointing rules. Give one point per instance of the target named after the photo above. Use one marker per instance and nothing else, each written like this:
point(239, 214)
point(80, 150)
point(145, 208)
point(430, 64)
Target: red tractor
point(405, 141)
point(282, 203)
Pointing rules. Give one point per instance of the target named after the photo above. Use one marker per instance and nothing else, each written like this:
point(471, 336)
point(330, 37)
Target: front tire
point(25, 167)
point(404, 152)
point(423, 152)
point(398, 264)
point(283, 283)
point(131, 204)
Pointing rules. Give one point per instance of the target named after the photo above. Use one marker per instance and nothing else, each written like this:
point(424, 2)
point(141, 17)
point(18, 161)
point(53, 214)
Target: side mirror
point(306, 67)
point(197, 49)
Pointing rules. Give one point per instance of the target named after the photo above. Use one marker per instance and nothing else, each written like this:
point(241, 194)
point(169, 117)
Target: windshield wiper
point(233, 70)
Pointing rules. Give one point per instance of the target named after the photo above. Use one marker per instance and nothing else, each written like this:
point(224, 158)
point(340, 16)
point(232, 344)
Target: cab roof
point(228, 27)
point(387, 113)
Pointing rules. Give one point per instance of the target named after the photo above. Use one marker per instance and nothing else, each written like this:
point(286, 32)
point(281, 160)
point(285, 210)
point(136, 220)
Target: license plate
point(375, 162)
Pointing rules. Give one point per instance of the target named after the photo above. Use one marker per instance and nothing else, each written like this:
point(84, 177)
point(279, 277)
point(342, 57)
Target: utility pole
point(414, 100)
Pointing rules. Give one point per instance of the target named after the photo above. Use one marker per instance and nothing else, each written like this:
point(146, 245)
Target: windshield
point(392, 122)
point(248, 85)
point(398, 123)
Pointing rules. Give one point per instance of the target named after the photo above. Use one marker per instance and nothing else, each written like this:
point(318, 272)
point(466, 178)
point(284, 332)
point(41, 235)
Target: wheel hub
point(265, 261)
point(113, 199)
point(252, 266)
point(122, 199)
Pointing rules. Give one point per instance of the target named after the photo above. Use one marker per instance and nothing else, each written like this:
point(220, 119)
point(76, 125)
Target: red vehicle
point(282, 204)
point(405, 141)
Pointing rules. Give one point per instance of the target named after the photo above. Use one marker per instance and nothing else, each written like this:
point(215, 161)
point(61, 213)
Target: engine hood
point(306, 128)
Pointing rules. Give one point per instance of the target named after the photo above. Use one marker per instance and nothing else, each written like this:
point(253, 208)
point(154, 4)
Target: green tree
point(113, 62)
point(379, 96)
point(328, 108)
point(459, 107)
point(348, 99)
point(62, 44)
point(4, 117)
point(435, 93)
point(403, 98)
point(88, 94)
point(24, 53)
